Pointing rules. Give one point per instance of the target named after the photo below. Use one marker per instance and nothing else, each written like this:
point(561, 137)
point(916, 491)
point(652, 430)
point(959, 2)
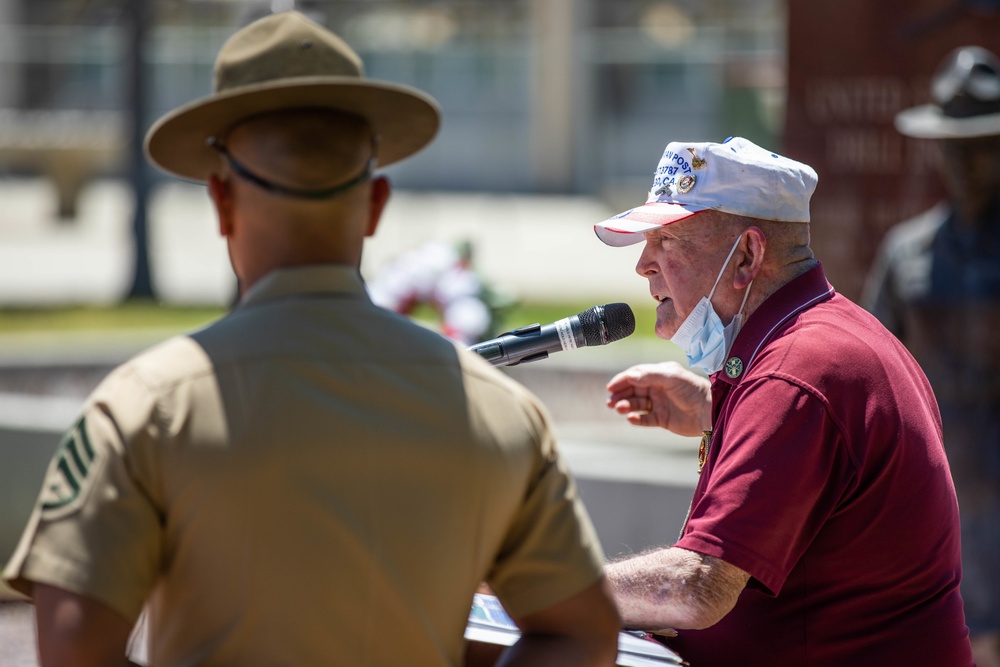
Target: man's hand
point(665, 395)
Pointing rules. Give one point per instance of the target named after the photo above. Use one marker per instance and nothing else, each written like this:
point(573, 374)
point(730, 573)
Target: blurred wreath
point(438, 281)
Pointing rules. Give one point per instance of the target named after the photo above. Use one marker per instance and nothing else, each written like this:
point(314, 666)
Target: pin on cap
point(686, 184)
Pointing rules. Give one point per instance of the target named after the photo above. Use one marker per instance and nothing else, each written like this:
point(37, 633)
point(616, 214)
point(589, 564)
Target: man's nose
point(645, 267)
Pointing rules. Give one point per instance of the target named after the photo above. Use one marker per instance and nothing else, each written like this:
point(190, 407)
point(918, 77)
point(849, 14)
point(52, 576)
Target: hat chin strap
point(296, 193)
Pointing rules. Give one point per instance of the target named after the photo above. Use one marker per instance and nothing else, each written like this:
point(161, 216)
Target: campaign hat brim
point(403, 118)
point(928, 122)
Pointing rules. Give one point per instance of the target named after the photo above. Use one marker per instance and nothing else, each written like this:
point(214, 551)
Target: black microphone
point(599, 325)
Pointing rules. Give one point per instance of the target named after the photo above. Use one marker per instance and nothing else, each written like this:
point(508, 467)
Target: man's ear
point(380, 191)
point(221, 194)
point(753, 245)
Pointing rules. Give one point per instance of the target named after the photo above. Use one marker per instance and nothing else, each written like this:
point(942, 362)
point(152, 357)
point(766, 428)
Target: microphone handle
point(532, 342)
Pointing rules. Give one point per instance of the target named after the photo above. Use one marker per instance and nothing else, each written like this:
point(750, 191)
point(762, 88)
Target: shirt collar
point(798, 294)
point(315, 279)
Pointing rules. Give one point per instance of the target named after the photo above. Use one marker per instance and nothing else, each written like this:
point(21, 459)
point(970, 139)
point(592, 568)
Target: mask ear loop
point(738, 318)
point(746, 294)
point(724, 265)
point(739, 314)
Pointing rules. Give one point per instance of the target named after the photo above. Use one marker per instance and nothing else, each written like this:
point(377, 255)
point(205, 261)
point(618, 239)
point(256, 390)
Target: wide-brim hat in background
point(736, 177)
point(286, 61)
point(966, 99)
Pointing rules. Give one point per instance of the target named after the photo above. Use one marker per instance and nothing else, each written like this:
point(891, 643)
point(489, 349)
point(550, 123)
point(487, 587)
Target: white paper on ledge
point(490, 624)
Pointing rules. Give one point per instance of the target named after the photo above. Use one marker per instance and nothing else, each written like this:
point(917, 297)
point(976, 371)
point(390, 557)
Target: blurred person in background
point(824, 526)
point(311, 480)
point(936, 284)
point(440, 276)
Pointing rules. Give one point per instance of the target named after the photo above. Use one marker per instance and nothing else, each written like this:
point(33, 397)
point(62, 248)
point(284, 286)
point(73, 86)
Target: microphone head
point(606, 324)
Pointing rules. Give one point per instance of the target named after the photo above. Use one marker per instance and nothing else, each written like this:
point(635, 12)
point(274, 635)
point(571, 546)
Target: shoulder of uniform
point(149, 388)
point(918, 231)
point(140, 382)
point(491, 390)
point(474, 366)
point(172, 361)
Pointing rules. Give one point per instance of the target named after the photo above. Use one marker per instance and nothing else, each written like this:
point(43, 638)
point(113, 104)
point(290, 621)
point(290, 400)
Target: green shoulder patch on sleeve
point(71, 474)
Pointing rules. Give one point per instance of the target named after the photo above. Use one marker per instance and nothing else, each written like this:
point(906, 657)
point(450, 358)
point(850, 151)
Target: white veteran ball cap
point(736, 177)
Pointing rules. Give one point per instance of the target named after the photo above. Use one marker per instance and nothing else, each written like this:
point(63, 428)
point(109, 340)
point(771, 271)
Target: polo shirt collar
point(797, 295)
point(316, 279)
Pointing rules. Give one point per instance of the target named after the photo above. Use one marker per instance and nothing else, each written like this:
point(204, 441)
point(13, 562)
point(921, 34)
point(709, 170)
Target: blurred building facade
point(549, 96)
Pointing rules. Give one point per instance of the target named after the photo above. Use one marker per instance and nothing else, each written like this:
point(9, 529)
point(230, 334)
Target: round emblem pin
point(734, 367)
point(686, 183)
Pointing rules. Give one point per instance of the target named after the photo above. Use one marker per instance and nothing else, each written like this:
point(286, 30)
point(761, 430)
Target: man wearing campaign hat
point(311, 480)
point(824, 526)
point(936, 285)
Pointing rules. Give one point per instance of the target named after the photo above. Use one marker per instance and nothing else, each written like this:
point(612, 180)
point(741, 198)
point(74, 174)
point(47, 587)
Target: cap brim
point(628, 228)
point(927, 122)
point(404, 119)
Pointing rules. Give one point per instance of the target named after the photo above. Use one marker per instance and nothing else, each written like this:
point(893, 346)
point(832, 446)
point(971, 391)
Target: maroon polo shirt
point(826, 480)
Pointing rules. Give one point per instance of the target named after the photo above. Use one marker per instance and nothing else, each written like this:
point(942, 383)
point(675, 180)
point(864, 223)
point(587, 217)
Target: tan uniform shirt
point(310, 480)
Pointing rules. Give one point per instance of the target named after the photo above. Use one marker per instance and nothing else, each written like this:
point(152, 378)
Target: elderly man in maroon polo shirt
point(824, 527)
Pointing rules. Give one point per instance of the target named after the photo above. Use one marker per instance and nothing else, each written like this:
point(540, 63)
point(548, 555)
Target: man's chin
point(664, 331)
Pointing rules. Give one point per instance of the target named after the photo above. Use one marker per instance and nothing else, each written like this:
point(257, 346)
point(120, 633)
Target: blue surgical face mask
point(702, 336)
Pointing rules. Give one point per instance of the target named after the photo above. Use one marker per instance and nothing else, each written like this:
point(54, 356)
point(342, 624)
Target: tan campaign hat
point(286, 61)
point(965, 96)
